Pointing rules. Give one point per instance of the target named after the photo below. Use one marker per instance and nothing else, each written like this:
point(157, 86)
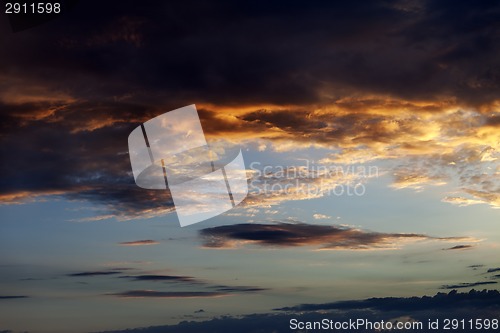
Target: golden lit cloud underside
point(427, 143)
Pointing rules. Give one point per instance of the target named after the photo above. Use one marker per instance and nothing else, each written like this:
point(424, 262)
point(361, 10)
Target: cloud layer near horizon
point(476, 304)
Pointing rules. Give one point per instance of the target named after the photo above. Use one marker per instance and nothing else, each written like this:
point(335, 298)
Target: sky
point(370, 135)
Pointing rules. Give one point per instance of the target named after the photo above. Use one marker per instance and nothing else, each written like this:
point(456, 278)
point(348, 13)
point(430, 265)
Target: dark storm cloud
point(300, 234)
point(263, 52)
point(12, 297)
point(467, 285)
point(57, 159)
point(71, 90)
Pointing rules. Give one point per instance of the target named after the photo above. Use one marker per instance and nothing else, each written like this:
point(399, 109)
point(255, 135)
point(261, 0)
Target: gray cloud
point(451, 300)
point(202, 288)
point(300, 234)
point(475, 304)
point(190, 281)
point(467, 285)
point(169, 278)
point(94, 273)
point(239, 289)
point(459, 247)
point(167, 294)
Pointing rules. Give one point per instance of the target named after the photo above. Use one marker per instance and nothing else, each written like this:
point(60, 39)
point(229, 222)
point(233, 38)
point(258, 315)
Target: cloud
point(94, 218)
point(467, 285)
point(476, 304)
point(459, 247)
point(188, 280)
point(415, 181)
point(492, 270)
point(167, 294)
point(239, 289)
point(337, 85)
point(462, 201)
point(475, 267)
point(194, 287)
point(139, 242)
point(451, 300)
point(321, 217)
point(430, 146)
point(94, 273)
point(12, 297)
point(168, 278)
point(330, 58)
point(98, 171)
point(300, 234)
point(491, 197)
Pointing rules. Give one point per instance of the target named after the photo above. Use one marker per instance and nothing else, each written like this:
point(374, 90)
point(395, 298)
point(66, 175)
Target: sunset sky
point(400, 98)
